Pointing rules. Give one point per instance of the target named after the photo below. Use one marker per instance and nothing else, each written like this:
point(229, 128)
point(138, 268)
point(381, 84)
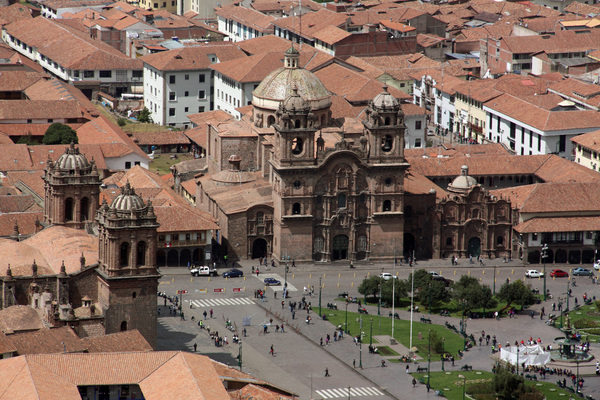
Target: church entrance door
point(259, 248)
point(340, 247)
point(474, 247)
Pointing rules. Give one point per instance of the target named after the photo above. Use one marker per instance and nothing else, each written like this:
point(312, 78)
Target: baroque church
point(93, 266)
point(301, 188)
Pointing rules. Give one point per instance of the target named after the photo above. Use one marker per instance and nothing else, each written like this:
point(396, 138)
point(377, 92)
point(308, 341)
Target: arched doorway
point(141, 253)
point(587, 256)
point(533, 257)
point(84, 209)
point(474, 248)
point(259, 248)
point(197, 257)
point(549, 259)
point(561, 256)
point(123, 326)
point(124, 255)
point(161, 258)
point(185, 257)
point(409, 245)
point(172, 258)
point(340, 247)
point(574, 257)
point(69, 209)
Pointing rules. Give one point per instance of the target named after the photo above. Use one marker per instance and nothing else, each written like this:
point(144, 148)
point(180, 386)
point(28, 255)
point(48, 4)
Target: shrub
point(121, 121)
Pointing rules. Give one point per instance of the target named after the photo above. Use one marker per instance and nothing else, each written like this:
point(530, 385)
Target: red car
point(558, 273)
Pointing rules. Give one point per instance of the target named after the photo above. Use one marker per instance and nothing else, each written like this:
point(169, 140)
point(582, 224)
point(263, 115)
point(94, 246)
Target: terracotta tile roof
point(283, 5)
point(27, 181)
point(584, 92)
point(264, 44)
point(182, 218)
point(558, 169)
point(17, 81)
point(39, 109)
point(160, 138)
point(47, 341)
point(20, 318)
point(57, 41)
point(28, 129)
point(25, 220)
point(341, 108)
point(413, 109)
point(233, 199)
point(14, 12)
point(448, 84)
point(397, 26)
point(199, 134)
point(247, 16)
point(388, 11)
point(22, 203)
point(352, 85)
point(312, 22)
point(415, 183)
point(581, 9)
point(49, 248)
point(590, 140)
point(559, 224)
point(113, 140)
point(192, 58)
point(426, 41)
point(544, 119)
point(5, 345)
point(331, 34)
point(117, 342)
point(562, 42)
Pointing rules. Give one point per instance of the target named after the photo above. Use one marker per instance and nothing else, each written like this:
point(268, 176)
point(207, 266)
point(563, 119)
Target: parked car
point(582, 272)
point(437, 277)
point(272, 282)
point(233, 273)
point(559, 273)
point(203, 271)
point(386, 276)
point(597, 265)
point(533, 273)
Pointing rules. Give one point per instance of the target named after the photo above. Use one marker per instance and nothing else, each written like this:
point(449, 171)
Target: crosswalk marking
point(354, 391)
point(240, 301)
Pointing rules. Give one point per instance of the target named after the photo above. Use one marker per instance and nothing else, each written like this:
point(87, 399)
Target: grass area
point(162, 162)
point(585, 320)
point(131, 126)
point(452, 385)
point(383, 326)
point(386, 351)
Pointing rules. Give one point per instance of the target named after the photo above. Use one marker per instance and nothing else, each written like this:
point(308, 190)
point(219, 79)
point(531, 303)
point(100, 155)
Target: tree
point(370, 286)
point(58, 133)
point(427, 289)
point(145, 115)
point(399, 286)
point(509, 386)
point(516, 292)
point(470, 294)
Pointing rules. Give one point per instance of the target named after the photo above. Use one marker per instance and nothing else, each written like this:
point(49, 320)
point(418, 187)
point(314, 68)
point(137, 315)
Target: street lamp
point(379, 299)
point(320, 286)
point(494, 280)
point(371, 335)
point(346, 324)
point(544, 255)
point(240, 355)
point(360, 351)
point(464, 385)
point(443, 354)
point(429, 362)
point(429, 298)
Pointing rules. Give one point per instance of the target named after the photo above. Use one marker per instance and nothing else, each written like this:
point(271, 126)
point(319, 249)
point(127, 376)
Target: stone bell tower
point(128, 279)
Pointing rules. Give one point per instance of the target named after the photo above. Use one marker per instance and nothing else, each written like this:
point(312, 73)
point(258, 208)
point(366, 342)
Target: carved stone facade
point(472, 222)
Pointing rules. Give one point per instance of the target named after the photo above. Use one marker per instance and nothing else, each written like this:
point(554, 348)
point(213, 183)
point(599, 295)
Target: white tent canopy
point(530, 355)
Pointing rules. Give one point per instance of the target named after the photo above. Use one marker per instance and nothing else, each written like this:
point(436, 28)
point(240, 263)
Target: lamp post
point(371, 335)
point(463, 328)
point(379, 299)
point(577, 382)
point(429, 362)
point(568, 295)
point(346, 324)
point(443, 355)
point(464, 385)
point(544, 255)
point(360, 352)
point(494, 292)
point(240, 354)
point(429, 306)
point(320, 286)
point(348, 392)
point(560, 302)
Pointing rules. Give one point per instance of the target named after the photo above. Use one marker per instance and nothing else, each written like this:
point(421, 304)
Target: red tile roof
point(193, 58)
point(247, 16)
point(559, 224)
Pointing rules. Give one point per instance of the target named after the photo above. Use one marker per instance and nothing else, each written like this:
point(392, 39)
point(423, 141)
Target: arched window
point(386, 143)
point(270, 120)
point(296, 209)
point(85, 209)
point(475, 213)
point(297, 124)
point(449, 241)
point(387, 120)
point(500, 240)
point(69, 205)
point(387, 205)
point(133, 295)
point(260, 218)
point(141, 253)
point(323, 120)
point(297, 146)
point(123, 326)
point(124, 254)
point(341, 200)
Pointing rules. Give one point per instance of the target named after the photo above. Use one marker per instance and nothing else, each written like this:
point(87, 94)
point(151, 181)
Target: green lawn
point(162, 162)
point(452, 385)
point(383, 326)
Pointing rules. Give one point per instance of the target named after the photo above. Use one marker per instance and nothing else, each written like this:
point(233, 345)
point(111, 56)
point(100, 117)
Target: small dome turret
point(72, 159)
point(385, 100)
point(127, 200)
point(295, 102)
point(463, 182)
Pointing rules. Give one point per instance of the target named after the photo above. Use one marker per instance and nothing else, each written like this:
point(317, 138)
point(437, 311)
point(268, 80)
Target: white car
point(386, 276)
point(533, 273)
point(597, 265)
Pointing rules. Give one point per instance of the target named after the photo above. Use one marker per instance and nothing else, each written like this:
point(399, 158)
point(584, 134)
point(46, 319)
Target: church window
point(260, 218)
point(319, 199)
point(124, 254)
point(297, 185)
point(387, 120)
point(133, 295)
point(362, 198)
point(69, 209)
point(387, 181)
point(296, 209)
point(387, 205)
point(297, 146)
point(141, 253)
point(408, 212)
point(362, 243)
point(449, 241)
point(297, 124)
point(475, 213)
point(123, 326)
point(270, 120)
point(341, 200)
point(386, 143)
point(85, 205)
point(500, 240)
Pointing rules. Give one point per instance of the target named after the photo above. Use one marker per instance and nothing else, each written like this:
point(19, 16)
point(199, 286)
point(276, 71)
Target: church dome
point(463, 182)
point(385, 100)
point(127, 200)
point(295, 102)
point(72, 159)
point(278, 85)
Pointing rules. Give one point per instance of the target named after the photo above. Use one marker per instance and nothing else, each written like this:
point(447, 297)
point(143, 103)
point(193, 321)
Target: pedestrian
point(321, 343)
point(282, 304)
point(211, 313)
point(272, 351)
point(326, 371)
point(532, 314)
point(382, 363)
point(407, 368)
point(354, 364)
point(205, 314)
point(414, 382)
point(282, 331)
point(195, 347)
point(182, 317)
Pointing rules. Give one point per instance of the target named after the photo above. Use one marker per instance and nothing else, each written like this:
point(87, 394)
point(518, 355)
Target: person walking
point(414, 382)
point(195, 347)
point(272, 351)
point(211, 313)
point(205, 314)
point(326, 371)
point(407, 369)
